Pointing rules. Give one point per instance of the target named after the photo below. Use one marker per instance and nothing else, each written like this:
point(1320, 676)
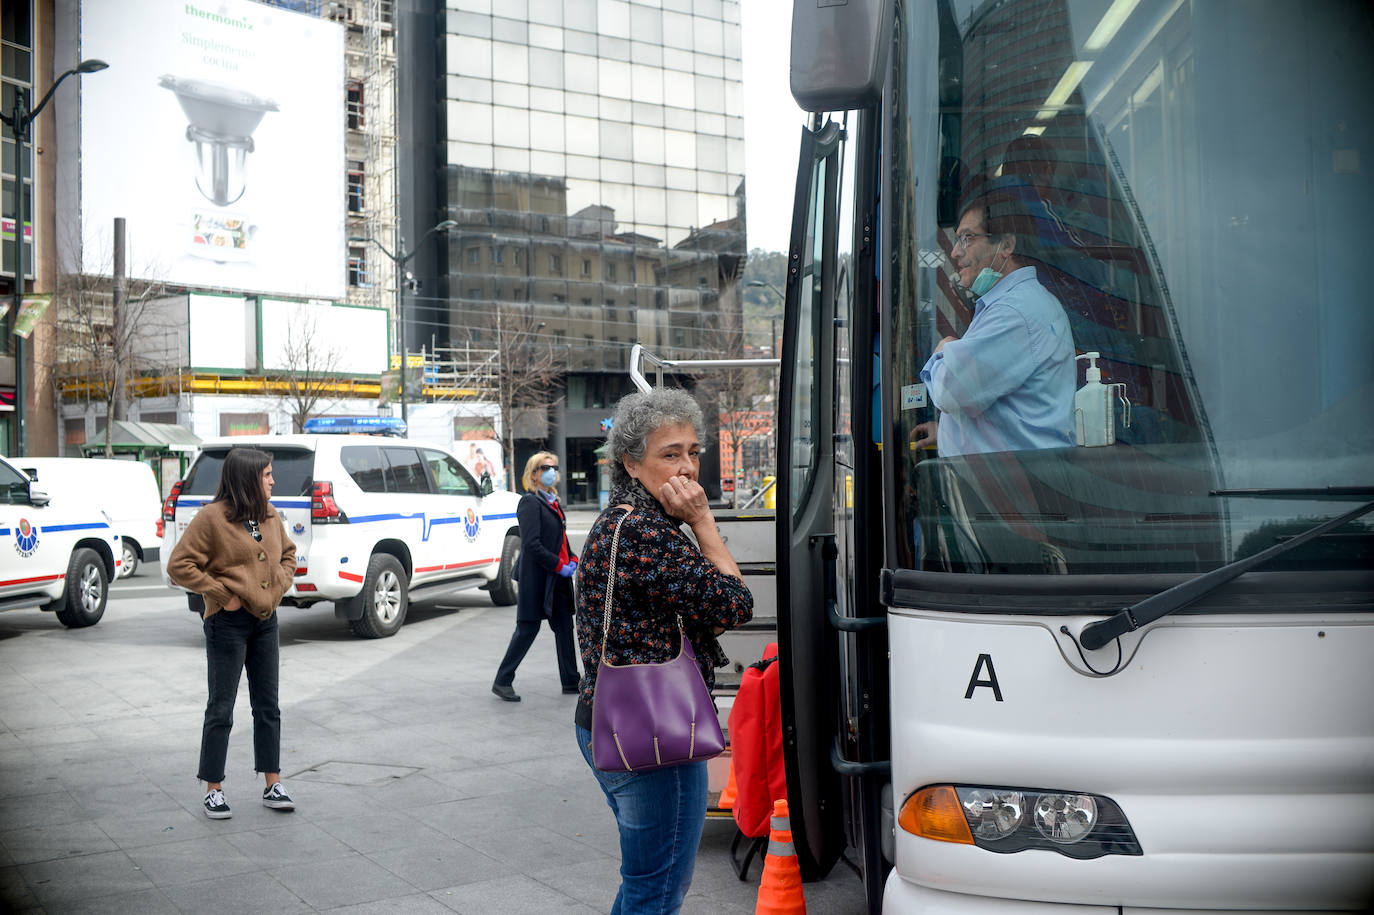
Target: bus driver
point(1008, 383)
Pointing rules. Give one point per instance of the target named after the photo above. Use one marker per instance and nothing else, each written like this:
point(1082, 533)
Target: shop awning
point(126, 434)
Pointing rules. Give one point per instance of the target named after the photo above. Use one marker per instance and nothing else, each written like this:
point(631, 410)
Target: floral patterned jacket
point(660, 575)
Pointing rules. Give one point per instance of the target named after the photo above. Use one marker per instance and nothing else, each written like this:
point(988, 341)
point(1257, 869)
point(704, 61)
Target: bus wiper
point(1312, 492)
point(1095, 635)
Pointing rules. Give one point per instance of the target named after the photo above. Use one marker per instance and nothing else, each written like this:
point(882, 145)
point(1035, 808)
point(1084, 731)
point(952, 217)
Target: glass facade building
point(593, 159)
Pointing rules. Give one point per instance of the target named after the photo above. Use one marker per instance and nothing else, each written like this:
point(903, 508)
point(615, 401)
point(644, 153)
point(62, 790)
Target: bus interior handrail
point(639, 354)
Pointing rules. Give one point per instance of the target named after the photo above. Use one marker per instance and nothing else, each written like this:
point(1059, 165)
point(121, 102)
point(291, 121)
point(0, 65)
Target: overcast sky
point(772, 122)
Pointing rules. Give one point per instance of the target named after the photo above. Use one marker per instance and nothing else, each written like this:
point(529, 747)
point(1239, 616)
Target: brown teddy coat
point(219, 558)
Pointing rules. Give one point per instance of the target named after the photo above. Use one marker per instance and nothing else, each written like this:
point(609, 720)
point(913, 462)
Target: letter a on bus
point(991, 681)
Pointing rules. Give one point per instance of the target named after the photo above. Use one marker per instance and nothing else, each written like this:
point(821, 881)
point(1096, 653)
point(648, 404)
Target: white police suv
point(58, 556)
point(377, 522)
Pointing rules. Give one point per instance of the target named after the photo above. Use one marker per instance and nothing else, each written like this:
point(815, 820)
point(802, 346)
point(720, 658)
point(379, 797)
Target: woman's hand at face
point(684, 499)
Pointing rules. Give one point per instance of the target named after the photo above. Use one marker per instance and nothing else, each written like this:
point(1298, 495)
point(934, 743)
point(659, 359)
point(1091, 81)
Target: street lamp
point(19, 121)
point(772, 318)
point(400, 260)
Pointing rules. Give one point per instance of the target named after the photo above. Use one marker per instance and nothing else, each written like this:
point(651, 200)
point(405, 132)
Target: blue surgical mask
point(984, 281)
point(987, 278)
point(549, 477)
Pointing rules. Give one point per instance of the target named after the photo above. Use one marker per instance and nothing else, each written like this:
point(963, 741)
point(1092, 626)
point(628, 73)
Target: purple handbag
point(647, 716)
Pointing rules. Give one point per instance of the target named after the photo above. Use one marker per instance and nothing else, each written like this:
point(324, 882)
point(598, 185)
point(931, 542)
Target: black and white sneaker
point(277, 798)
point(216, 808)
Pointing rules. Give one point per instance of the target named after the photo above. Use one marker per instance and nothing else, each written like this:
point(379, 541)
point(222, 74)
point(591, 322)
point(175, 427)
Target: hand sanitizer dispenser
point(1093, 415)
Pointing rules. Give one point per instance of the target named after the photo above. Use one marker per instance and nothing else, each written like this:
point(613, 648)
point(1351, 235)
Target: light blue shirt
point(1008, 383)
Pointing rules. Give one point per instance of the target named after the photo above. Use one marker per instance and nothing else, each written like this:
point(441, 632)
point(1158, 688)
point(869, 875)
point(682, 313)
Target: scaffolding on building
point(370, 71)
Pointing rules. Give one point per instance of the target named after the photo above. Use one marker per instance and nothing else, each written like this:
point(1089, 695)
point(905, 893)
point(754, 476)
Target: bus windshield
point(1124, 247)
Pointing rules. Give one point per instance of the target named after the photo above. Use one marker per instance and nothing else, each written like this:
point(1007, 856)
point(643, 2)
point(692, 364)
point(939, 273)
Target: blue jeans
point(235, 639)
point(660, 815)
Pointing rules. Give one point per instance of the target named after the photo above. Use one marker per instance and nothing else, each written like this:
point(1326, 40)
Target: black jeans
point(235, 639)
point(564, 644)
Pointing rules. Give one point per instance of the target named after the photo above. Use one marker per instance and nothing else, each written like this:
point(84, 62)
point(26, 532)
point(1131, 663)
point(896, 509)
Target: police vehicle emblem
point(25, 538)
point(298, 528)
point(471, 525)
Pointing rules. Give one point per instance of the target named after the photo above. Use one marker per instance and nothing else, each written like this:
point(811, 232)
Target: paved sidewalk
point(418, 790)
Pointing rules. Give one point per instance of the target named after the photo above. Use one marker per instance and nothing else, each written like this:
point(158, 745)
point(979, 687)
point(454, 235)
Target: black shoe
point(572, 689)
point(277, 798)
point(216, 808)
point(505, 692)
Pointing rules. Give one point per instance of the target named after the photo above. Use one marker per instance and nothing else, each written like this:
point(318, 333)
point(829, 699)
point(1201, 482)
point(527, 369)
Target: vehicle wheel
point(128, 562)
point(504, 588)
point(83, 603)
point(385, 598)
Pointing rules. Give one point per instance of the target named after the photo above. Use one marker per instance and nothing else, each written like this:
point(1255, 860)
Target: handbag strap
point(610, 590)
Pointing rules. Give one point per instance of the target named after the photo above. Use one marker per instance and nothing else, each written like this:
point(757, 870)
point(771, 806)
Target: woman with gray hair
point(654, 452)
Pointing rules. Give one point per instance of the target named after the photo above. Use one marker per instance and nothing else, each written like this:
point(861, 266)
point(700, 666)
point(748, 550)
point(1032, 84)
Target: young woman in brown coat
point(235, 553)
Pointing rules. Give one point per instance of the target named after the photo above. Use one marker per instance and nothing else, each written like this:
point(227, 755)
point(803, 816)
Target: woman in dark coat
point(546, 569)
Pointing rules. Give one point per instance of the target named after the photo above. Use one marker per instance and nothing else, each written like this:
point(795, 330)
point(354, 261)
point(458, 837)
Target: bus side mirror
point(839, 53)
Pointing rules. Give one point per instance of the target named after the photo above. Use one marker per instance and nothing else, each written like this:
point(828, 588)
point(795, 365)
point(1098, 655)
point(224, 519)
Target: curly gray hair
point(636, 417)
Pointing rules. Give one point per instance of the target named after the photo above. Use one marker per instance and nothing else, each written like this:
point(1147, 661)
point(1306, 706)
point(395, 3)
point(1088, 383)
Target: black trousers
point(234, 640)
point(525, 632)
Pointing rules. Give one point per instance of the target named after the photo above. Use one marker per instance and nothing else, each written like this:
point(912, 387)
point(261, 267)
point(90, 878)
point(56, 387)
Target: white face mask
point(549, 477)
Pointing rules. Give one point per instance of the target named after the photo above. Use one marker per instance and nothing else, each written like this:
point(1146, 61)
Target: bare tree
point(309, 366)
point(99, 353)
point(735, 391)
point(528, 372)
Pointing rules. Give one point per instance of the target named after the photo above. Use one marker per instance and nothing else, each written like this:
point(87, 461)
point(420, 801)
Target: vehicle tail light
point(159, 527)
point(169, 507)
point(323, 509)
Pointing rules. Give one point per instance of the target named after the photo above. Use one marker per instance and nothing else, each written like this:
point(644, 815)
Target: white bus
point(1026, 675)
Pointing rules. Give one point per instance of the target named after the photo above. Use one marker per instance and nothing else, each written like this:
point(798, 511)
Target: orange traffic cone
point(727, 796)
point(780, 890)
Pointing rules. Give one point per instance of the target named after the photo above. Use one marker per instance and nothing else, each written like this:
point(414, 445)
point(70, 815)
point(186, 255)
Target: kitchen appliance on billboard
point(221, 120)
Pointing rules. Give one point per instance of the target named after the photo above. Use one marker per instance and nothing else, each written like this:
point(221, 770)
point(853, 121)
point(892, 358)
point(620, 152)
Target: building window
point(556, 264)
point(357, 267)
point(355, 105)
point(474, 255)
point(355, 188)
point(586, 301)
point(559, 298)
point(498, 254)
point(519, 257)
point(586, 267)
point(610, 270)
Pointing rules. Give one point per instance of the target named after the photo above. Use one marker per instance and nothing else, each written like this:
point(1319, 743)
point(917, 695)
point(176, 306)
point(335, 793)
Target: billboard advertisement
point(323, 339)
point(218, 133)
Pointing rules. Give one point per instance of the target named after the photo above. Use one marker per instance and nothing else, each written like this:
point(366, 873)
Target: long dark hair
point(240, 484)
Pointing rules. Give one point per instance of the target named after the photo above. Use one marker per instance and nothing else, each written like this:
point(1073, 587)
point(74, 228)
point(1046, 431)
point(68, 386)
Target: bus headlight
point(1007, 820)
point(1065, 817)
point(992, 813)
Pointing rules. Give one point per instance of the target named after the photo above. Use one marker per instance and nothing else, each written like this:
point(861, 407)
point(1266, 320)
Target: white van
point(377, 522)
point(125, 490)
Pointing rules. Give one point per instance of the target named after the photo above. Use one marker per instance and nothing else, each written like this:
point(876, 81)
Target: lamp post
point(773, 349)
point(400, 259)
point(19, 121)
point(772, 318)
